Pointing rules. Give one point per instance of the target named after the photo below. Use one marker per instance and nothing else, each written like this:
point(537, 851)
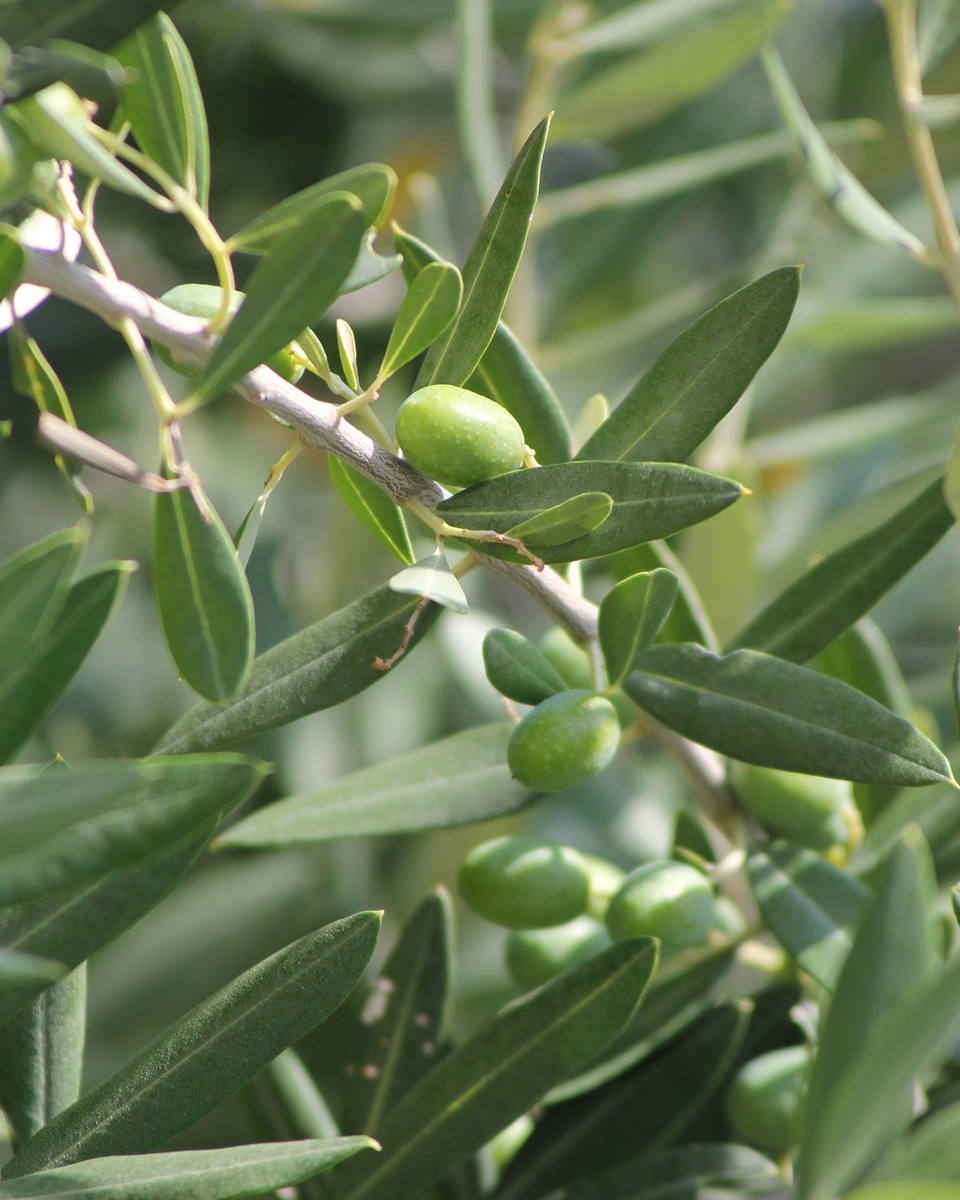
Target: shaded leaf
point(517, 669)
point(203, 598)
point(565, 521)
point(699, 377)
point(427, 309)
point(432, 579)
point(317, 668)
point(631, 615)
point(18, 969)
point(33, 587)
point(96, 23)
point(761, 710)
point(12, 259)
point(650, 500)
point(457, 780)
point(370, 266)
point(206, 1055)
point(685, 1173)
point(373, 507)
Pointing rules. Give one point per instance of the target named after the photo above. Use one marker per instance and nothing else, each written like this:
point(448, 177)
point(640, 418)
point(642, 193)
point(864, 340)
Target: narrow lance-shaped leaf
point(373, 507)
point(18, 970)
point(761, 710)
point(426, 311)
point(347, 347)
point(12, 258)
point(489, 269)
point(686, 1172)
point(33, 587)
point(517, 669)
point(299, 1098)
point(563, 522)
point(97, 23)
point(838, 186)
point(806, 617)
point(289, 290)
point(402, 1017)
point(432, 579)
point(699, 377)
point(317, 668)
point(206, 1055)
point(496, 1074)
point(200, 1174)
point(631, 615)
point(202, 594)
point(458, 780)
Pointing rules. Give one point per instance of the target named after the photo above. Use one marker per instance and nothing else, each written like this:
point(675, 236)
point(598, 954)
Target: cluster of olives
point(810, 810)
point(562, 906)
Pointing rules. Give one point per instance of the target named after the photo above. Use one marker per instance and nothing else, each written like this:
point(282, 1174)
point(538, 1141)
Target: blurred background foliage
point(649, 213)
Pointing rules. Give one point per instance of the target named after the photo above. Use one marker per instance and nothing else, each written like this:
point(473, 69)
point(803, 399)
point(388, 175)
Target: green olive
point(666, 900)
point(524, 882)
point(763, 1102)
point(535, 956)
point(458, 437)
point(808, 809)
point(564, 741)
point(605, 882)
point(203, 300)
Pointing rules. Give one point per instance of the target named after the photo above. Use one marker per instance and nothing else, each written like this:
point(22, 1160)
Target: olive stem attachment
point(443, 530)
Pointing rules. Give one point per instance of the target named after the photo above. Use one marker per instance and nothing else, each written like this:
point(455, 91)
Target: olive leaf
point(631, 615)
point(373, 507)
point(517, 669)
point(432, 579)
point(18, 969)
point(347, 348)
point(427, 309)
point(564, 521)
point(97, 23)
point(12, 259)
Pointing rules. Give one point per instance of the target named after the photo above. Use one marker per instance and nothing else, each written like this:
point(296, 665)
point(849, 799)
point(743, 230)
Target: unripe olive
point(809, 809)
point(524, 882)
point(764, 1099)
point(458, 437)
point(563, 741)
point(666, 900)
point(572, 664)
point(203, 300)
point(535, 956)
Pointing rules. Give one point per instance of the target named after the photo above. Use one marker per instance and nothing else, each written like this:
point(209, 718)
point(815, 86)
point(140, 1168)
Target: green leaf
point(699, 377)
point(837, 185)
point(373, 507)
point(402, 1017)
point(810, 907)
point(806, 617)
point(18, 969)
point(432, 579)
point(845, 326)
point(370, 266)
point(210, 1052)
point(203, 598)
point(200, 1174)
point(685, 1173)
point(427, 309)
point(489, 269)
point(476, 107)
point(33, 588)
point(290, 289)
point(317, 668)
point(347, 347)
point(457, 780)
point(12, 259)
point(29, 692)
point(688, 620)
point(61, 828)
point(41, 1056)
point(72, 927)
point(301, 1102)
point(932, 1151)
point(631, 615)
point(643, 23)
point(97, 23)
point(497, 1073)
point(517, 669)
point(761, 710)
point(373, 184)
point(565, 521)
point(617, 1121)
point(164, 105)
point(862, 657)
point(650, 500)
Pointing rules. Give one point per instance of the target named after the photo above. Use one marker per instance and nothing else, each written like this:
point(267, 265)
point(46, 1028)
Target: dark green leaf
point(12, 258)
point(517, 669)
point(202, 594)
point(810, 907)
point(209, 1053)
point(761, 710)
point(699, 377)
point(200, 1174)
point(317, 668)
point(402, 1018)
point(33, 587)
point(688, 620)
point(373, 184)
point(489, 269)
point(302, 1104)
point(164, 105)
point(844, 586)
point(458, 780)
point(97, 23)
point(565, 521)
point(432, 579)
point(29, 692)
point(495, 1075)
point(62, 828)
point(290, 289)
point(373, 507)
point(631, 615)
point(427, 309)
point(651, 500)
point(687, 1172)
point(41, 1056)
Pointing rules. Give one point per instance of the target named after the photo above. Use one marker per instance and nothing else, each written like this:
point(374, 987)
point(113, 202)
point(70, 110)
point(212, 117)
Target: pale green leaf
point(631, 615)
point(432, 579)
point(565, 521)
point(347, 349)
point(373, 507)
point(427, 309)
point(476, 107)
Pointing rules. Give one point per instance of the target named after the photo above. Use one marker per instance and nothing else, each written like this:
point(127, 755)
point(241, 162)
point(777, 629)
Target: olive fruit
point(763, 1102)
point(564, 741)
point(524, 882)
point(809, 809)
point(535, 956)
point(605, 881)
point(666, 900)
point(458, 437)
point(203, 300)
